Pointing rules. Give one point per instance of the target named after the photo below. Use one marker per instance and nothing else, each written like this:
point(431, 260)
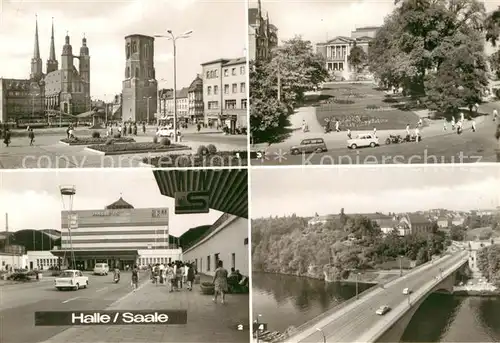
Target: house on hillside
point(443, 222)
point(418, 223)
point(321, 220)
point(457, 220)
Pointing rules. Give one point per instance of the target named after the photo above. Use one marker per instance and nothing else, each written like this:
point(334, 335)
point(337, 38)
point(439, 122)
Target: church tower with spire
point(84, 69)
point(52, 64)
point(36, 62)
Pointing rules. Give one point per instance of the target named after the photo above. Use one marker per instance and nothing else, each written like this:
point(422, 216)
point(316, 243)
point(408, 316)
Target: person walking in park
point(220, 282)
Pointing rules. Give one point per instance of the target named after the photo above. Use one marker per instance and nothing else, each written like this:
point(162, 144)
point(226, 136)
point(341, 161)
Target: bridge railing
point(336, 308)
point(418, 294)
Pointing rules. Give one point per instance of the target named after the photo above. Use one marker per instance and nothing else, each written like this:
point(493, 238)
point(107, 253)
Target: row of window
point(149, 73)
point(199, 262)
point(145, 261)
point(234, 89)
point(228, 104)
point(46, 262)
point(133, 48)
point(214, 73)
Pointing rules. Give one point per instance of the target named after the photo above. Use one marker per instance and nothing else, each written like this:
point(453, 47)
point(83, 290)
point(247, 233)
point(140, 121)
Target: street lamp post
point(400, 265)
point(173, 38)
point(147, 99)
point(357, 289)
point(322, 333)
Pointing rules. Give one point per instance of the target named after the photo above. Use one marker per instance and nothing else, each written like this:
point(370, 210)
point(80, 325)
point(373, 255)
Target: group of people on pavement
point(174, 274)
point(124, 129)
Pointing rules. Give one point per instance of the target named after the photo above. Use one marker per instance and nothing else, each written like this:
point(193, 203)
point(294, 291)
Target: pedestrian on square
point(349, 135)
point(473, 125)
point(337, 126)
point(135, 277)
point(453, 123)
point(190, 277)
point(143, 127)
point(444, 125)
point(407, 130)
point(417, 135)
point(6, 139)
point(420, 122)
point(170, 276)
point(495, 114)
point(462, 116)
point(179, 273)
point(220, 282)
point(459, 127)
point(31, 136)
point(135, 129)
point(375, 132)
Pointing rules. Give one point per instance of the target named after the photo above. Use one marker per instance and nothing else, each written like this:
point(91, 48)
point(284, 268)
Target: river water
point(283, 301)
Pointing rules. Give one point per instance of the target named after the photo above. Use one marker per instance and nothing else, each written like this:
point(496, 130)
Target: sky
point(33, 201)
point(373, 189)
point(219, 31)
point(321, 20)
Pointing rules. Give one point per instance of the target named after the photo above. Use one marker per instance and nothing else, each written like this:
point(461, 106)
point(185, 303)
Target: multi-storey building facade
point(182, 103)
point(263, 36)
point(225, 92)
point(337, 50)
point(140, 87)
point(195, 100)
point(61, 91)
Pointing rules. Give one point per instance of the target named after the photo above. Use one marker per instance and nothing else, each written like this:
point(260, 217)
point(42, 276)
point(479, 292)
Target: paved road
point(49, 153)
point(356, 323)
point(469, 147)
point(18, 304)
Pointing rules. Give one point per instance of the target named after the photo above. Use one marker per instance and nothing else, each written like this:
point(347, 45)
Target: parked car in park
point(362, 141)
point(71, 279)
point(382, 310)
point(309, 145)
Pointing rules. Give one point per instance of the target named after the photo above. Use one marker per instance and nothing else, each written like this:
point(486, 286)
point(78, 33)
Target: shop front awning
point(90, 253)
point(228, 188)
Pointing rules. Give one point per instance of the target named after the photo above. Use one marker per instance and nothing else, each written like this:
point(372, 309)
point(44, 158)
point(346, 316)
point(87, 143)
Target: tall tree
point(268, 116)
point(357, 57)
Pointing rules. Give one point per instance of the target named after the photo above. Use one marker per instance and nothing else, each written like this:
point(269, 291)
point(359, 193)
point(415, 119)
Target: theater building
point(119, 235)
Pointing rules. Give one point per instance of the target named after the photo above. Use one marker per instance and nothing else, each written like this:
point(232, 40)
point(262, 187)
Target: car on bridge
point(383, 310)
point(309, 145)
point(363, 141)
point(71, 279)
point(406, 291)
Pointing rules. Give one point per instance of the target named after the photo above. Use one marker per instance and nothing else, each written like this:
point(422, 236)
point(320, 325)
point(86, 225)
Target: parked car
point(406, 291)
point(165, 132)
point(101, 269)
point(71, 279)
point(309, 145)
point(383, 310)
point(363, 140)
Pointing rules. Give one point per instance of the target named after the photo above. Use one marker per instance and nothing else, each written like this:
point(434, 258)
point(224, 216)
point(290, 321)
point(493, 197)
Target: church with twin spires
point(61, 89)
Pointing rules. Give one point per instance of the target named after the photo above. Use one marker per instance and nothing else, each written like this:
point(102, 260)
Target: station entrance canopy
point(228, 188)
point(98, 254)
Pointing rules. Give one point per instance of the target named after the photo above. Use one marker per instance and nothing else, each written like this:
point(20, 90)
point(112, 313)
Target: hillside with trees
point(488, 262)
point(287, 245)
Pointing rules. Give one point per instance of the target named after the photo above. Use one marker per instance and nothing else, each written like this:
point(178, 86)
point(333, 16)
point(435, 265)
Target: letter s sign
point(192, 202)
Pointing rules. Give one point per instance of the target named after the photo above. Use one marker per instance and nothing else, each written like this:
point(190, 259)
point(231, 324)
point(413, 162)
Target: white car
point(71, 279)
point(363, 140)
point(165, 132)
point(406, 291)
point(382, 310)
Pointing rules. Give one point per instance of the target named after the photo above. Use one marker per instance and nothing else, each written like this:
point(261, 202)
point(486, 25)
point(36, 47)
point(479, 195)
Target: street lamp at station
point(322, 333)
point(173, 38)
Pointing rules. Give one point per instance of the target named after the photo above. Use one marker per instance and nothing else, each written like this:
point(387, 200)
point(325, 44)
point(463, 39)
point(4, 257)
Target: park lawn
point(141, 147)
point(359, 115)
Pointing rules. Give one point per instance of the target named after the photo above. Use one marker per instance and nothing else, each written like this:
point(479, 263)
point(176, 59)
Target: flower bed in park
point(217, 159)
point(96, 141)
point(136, 148)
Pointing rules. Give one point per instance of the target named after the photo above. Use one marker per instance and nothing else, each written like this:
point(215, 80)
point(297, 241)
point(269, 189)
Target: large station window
point(208, 263)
